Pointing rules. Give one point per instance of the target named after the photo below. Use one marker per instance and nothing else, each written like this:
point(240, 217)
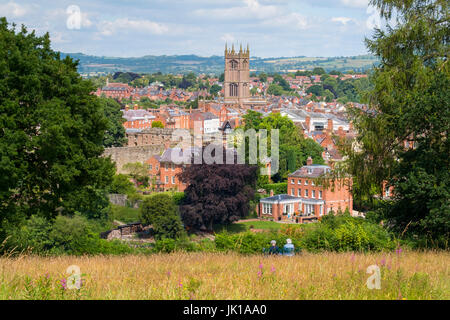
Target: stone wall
point(124, 155)
point(150, 136)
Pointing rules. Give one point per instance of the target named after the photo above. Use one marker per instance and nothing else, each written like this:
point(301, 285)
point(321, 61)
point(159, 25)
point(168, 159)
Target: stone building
point(237, 75)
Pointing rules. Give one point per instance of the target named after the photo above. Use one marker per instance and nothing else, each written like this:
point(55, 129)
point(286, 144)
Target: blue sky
point(132, 28)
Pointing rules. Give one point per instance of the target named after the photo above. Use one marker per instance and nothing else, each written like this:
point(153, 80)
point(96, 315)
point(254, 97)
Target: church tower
point(237, 75)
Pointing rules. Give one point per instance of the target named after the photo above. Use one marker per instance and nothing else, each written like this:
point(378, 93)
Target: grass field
point(405, 275)
point(246, 225)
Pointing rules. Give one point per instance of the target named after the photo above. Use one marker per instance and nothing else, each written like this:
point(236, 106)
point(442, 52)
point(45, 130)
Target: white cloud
point(12, 9)
point(108, 28)
point(292, 21)
point(228, 37)
point(355, 3)
point(343, 20)
point(251, 9)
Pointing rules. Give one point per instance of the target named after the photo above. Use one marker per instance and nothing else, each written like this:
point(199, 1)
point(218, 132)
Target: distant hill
point(215, 64)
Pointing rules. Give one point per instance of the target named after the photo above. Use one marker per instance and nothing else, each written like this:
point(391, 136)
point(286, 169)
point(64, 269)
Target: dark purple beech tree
point(216, 194)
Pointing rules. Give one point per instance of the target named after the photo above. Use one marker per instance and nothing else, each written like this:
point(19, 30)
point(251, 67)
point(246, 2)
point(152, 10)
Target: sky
point(134, 28)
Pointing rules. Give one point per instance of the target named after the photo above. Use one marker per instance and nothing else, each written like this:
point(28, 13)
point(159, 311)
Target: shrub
point(278, 188)
point(66, 235)
point(160, 211)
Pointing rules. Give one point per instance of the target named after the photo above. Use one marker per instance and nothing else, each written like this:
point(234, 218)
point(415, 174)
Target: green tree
point(275, 89)
point(122, 184)
point(215, 89)
point(52, 133)
point(160, 211)
point(263, 77)
point(409, 104)
point(318, 71)
point(115, 134)
point(157, 124)
point(138, 172)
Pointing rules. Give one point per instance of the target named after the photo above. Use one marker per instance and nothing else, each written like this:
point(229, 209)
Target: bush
point(121, 184)
point(160, 211)
point(66, 235)
point(278, 188)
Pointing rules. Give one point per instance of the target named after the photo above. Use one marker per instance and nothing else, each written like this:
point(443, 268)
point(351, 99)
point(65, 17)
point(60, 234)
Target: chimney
point(309, 161)
point(308, 122)
point(330, 125)
point(341, 132)
point(271, 193)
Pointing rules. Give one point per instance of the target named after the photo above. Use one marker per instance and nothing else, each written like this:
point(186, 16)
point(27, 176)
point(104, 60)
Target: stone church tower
point(237, 75)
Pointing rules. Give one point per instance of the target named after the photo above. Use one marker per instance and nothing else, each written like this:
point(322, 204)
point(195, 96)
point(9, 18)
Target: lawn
point(124, 214)
point(404, 275)
point(246, 225)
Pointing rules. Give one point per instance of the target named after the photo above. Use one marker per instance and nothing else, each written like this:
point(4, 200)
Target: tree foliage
point(293, 147)
point(52, 131)
point(115, 133)
point(404, 135)
point(160, 211)
point(216, 193)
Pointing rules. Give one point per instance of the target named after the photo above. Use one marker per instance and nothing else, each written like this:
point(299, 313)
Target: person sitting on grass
point(273, 248)
point(288, 249)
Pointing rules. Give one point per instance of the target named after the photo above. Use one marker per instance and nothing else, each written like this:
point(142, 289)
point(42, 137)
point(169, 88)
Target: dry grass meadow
point(408, 275)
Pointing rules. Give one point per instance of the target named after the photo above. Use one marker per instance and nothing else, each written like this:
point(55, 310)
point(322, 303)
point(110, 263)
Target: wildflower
point(180, 284)
point(272, 269)
point(398, 251)
point(64, 283)
point(47, 275)
point(352, 258)
point(383, 262)
point(259, 274)
point(168, 273)
point(261, 266)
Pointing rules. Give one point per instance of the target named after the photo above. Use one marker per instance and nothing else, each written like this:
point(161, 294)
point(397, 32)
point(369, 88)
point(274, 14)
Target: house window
point(292, 181)
point(173, 167)
point(306, 182)
point(292, 192)
point(267, 208)
point(173, 180)
point(288, 208)
point(306, 193)
point(157, 167)
point(299, 192)
point(167, 179)
point(312, 183)
point(313, 194)
point(299, 181)
point(321, 209)
point(166, 166)
point(320, 194)
point(150, 167)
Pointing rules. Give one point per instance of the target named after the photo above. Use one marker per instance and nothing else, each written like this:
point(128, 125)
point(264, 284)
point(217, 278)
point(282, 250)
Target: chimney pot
point(309, 161)
point(271, 193)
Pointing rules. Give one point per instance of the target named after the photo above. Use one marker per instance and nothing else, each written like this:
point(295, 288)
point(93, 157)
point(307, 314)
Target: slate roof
point(312, 171)
point(280, 197)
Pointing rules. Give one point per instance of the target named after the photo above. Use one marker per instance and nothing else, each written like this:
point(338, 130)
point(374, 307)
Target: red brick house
point(306, 199)
point(163, 170)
